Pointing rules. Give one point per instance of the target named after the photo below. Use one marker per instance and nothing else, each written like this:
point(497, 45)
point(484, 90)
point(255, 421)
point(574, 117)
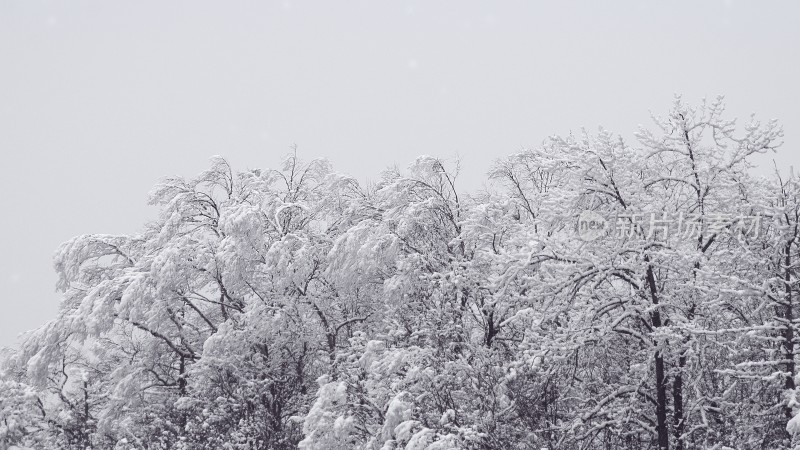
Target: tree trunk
point(661, 385)
point(788, 331)
point(677, 402)
point(678, 419)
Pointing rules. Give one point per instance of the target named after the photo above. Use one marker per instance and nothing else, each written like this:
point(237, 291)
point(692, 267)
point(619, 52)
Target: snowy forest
point(300, 308)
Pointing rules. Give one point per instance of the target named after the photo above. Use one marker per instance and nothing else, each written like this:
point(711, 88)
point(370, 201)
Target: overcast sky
point(99, 100)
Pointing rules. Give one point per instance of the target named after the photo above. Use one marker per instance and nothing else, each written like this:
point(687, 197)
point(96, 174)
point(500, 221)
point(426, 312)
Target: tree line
point(299, 308)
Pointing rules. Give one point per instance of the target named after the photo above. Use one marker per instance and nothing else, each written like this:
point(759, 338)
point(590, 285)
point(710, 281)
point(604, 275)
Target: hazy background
point(99, 100)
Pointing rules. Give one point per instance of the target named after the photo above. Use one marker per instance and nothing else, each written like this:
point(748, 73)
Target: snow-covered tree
point(298, 308)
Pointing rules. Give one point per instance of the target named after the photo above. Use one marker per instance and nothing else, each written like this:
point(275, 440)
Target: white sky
point(99, 100)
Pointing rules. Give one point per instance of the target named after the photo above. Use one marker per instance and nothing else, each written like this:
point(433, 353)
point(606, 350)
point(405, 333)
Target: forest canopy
point(298, 308)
